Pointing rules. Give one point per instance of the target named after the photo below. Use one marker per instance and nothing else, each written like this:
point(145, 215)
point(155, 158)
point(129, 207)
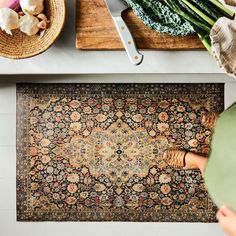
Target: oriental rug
point(93, 152)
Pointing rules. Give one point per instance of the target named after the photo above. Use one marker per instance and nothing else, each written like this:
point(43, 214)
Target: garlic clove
point(21, 13)
point(42, 24)
point(41, 16)
point(29, 24)
point(9, 20)
point(33, 7)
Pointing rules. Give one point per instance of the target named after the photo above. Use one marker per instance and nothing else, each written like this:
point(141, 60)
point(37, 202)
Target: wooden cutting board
point(96, 31)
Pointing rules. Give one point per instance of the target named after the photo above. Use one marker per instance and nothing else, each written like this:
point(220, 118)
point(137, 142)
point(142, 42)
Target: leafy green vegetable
point(172, 4)
point(206, 41)
point(207, 7)
point(200, 13)
point(181, 17)
point(190, 11)
point(160, 17)
point(227, 12)
point(202, 29)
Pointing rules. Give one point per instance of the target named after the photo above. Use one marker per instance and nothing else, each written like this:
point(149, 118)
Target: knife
point(116, 7)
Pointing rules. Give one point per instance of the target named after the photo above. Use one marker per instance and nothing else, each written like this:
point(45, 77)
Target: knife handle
point(128, 41)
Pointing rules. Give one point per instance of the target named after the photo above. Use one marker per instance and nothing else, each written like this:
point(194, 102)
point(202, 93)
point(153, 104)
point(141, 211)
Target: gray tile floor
point(8, 224)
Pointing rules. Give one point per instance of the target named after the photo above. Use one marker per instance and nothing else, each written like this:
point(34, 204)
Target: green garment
point(220, 176)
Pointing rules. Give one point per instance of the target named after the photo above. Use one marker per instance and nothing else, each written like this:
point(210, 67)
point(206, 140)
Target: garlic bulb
point(33, 7)
point(8, 20)
point(29, 24)
point(13, 4)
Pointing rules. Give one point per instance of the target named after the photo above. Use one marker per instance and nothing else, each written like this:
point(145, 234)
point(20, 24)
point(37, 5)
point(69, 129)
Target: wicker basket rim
point(41, 45)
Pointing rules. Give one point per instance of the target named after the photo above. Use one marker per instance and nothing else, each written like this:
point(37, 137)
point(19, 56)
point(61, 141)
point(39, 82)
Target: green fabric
point(220, 176)
point(160, 17)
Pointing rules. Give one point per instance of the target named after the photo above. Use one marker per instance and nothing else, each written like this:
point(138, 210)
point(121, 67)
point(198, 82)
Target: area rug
point(93, 152)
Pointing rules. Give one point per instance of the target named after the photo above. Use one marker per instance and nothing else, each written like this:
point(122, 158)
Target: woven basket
point(20, 45)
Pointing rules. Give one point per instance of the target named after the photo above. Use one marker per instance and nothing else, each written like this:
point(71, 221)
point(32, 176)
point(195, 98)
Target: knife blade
point(116, 7)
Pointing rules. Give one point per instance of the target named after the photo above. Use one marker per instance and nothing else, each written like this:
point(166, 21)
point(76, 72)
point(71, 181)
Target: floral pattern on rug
point(93, 152)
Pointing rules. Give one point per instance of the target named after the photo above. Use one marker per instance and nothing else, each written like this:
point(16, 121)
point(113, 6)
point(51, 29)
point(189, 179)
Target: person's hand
point(227, 220)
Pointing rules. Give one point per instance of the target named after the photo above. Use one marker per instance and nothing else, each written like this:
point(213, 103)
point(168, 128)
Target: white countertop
point(64, 58)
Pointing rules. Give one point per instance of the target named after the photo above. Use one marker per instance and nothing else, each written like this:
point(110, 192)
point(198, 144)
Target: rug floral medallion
point(93, 152)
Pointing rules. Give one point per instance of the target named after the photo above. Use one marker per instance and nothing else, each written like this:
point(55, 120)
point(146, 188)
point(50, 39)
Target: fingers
point(219, 215)
point(226, 211)
point(227, 220)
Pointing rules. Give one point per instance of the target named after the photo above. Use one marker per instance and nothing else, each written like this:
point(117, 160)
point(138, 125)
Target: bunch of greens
point(181, 17)
point(202, 15)
point(158, 16)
